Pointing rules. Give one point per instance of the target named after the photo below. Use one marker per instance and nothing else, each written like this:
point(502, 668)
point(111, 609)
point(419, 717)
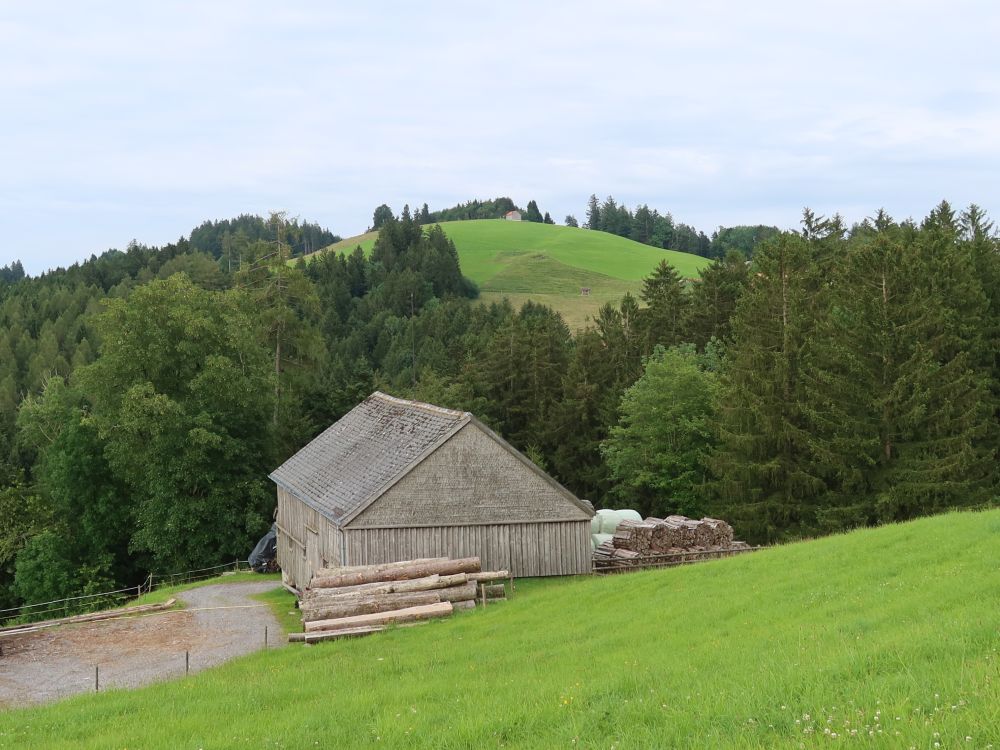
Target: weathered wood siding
point(526, 549)
point(471, 479)
point(306, 540)
point(471, 496)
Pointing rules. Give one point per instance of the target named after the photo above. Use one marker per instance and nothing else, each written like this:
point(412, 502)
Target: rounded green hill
point(573, 270)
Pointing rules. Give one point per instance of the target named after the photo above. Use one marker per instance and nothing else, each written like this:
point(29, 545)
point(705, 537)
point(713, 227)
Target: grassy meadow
point(549, 264)
point(879, 638)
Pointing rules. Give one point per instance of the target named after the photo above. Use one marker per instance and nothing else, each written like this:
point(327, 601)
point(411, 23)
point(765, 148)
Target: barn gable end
point(474, 477)
point(396, 479)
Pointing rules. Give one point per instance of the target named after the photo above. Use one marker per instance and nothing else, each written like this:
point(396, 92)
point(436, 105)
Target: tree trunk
point(415, 570)
point(329, 635)
point(462, 593)
point(323, 610)
point(327, 572)
point(427, 583)
point(410, 614)
point(489, 575)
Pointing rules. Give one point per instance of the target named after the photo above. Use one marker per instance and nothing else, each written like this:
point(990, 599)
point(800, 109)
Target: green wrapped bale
point(609, 521)
point(599, 539)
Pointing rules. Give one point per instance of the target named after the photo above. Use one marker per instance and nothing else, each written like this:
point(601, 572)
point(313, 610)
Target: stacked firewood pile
point(678, 538)
point(362, 599)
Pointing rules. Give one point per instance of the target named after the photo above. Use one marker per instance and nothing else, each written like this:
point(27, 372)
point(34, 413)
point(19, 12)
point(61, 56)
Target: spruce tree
point(520, 372)
point(593, 213)
point(979, 240)
point(580, 418)
point(622, 336)
point(766, 484)
point(898, 397)
point(849, 376)
point(667, 304)
point(714, 298)
point(947, 460)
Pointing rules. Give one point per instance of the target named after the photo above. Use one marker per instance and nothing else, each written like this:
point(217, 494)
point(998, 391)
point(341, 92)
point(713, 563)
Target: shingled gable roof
point(351, 464)
point(364, 452)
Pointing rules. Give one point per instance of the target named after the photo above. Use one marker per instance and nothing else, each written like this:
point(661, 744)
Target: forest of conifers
point(846, 376)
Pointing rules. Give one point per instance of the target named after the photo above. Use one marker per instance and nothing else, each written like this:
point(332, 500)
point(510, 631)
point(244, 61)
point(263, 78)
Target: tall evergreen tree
point(288, 315)
point(979, 240)
point(667, 304)
point(611, 217)
point(714, 297)
point(593, 213)
point(621, 333)
point(766, 482)
point(520, 397)
point(897, 394)
point(580, 419)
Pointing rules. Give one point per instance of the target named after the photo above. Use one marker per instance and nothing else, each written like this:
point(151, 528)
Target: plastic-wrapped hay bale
point(628, 514)
point(599, 539)
point(595, 523)
point(609, 521)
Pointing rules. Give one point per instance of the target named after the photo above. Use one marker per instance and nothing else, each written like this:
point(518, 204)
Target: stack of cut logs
point(362, 599)
point(674, 535)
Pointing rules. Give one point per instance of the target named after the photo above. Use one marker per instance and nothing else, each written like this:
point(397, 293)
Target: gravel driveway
point(218, 623)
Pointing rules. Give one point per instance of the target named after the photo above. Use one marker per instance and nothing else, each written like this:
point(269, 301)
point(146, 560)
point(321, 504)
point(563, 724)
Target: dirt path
point(219, 622)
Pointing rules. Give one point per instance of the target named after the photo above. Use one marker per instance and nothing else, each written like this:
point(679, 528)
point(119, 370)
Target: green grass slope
point(879, 638)
point(550, 264)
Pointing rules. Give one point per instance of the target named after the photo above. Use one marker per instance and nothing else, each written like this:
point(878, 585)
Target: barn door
point(313, 558)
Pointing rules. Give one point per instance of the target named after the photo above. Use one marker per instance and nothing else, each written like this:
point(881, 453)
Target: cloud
point(125, 120)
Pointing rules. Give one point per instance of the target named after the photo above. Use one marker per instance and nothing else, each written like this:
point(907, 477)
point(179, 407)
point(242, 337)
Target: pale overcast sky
point(141, 120)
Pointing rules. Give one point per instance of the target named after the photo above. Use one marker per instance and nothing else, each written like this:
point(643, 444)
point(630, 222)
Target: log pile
point(607, 553)
point(357, 600)
point(674, 538)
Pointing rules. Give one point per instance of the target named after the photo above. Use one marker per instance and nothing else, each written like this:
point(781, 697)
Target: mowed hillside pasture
point(879, 638)
point(550, 264)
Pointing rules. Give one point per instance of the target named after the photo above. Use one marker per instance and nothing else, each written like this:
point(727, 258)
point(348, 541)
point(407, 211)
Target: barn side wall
point(471, 479)
point(306, 540)
point(525, 549)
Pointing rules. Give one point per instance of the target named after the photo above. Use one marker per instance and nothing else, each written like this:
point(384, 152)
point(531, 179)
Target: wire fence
point(98, 663)
point(83, 603)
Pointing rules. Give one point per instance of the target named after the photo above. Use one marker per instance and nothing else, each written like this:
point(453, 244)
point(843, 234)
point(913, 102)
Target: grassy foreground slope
point(879, 638)
point(550, 264)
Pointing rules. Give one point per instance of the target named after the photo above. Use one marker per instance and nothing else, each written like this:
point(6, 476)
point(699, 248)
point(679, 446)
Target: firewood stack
point(607, 554)
point(674, 535)
point(362, 599)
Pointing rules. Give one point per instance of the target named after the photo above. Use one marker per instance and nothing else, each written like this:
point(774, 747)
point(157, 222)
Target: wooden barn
point(396, 480)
